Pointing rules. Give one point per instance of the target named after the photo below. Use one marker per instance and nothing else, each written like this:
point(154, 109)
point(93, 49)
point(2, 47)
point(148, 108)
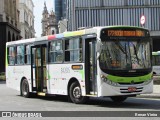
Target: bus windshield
point(125, 54)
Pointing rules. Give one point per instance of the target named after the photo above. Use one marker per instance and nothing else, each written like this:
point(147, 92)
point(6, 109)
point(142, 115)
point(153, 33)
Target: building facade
point(62, 25)
point(60, 9)
point(26, 8)
point(60, 12)
point(89, 13)
point(9, 26)
point(49, 24)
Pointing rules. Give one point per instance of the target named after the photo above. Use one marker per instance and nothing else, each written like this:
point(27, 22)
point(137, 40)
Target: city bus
point(156, 65)
point(109, 61)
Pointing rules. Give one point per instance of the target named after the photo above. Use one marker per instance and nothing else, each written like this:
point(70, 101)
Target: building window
point(53, 32)
point(73, 50)
point(126, 2)
point(25, 17)
point(26, 34)
point(1, 18)
point(55, 51)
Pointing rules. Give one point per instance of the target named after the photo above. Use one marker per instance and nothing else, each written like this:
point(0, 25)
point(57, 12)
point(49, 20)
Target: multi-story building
point(9, 26)
point(26, 8)
point(60, 9)
point(60, 12)
point(49, 24)
point(89, 13)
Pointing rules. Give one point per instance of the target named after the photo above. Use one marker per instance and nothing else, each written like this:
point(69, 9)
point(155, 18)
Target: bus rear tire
point(75, 94)
point(118, 99)
point(25, 89)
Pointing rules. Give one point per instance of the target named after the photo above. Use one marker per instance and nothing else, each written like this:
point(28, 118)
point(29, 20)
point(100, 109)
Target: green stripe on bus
point(48, 75)
point(129, 79)
point(6, 57)
point(68, 34)
point(82, 73)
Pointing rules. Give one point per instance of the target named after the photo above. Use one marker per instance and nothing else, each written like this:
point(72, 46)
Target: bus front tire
point(118, 98)
point(25, 89)
point(75, 94)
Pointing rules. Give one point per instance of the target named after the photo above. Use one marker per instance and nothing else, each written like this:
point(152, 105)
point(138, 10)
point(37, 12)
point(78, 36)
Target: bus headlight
point(104, 79)
point(114, 84)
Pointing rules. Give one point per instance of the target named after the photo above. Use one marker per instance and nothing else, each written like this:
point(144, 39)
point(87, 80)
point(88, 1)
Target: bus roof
point(92, 30)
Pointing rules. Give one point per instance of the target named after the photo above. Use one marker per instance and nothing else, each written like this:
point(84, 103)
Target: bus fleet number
point(65, 70)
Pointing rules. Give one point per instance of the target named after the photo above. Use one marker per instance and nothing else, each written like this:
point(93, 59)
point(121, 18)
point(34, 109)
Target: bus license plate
point(132, 89)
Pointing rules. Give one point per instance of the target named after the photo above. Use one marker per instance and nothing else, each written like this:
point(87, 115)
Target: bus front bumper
point(108, 90)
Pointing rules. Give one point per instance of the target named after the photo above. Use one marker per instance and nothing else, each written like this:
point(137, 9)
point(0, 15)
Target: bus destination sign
point(125, 33)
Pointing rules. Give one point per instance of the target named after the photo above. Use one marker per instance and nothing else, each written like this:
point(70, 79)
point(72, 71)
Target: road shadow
point(58, 98)
point(132, 102)
point(2, 82)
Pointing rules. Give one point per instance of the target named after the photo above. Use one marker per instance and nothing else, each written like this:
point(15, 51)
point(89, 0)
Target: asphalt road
point(10, 100)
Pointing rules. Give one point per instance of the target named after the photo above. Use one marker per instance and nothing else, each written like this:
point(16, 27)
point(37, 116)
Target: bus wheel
point(25, 89)
point(118, 98)
point(75, 94)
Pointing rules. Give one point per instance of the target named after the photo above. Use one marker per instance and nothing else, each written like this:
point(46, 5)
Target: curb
point(153, 95)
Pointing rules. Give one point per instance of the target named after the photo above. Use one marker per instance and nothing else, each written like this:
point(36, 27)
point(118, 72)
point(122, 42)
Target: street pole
point(73, 15)
point(89, 15)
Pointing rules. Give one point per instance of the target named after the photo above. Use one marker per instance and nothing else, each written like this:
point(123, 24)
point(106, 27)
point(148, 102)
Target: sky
point(38, 9)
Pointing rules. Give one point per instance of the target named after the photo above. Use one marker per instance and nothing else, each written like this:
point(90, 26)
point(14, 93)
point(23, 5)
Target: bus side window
point(55, 51)
point(67, 52)
point(73, 50)
point(27, 54)
point(11, 55)
point(20, 54)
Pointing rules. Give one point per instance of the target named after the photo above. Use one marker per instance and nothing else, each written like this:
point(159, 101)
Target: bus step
point(44, 90)
point(91, 95)
point(41, 94)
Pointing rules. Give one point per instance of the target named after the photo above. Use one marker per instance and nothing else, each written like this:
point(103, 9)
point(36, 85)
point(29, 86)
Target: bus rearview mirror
point(99, 47)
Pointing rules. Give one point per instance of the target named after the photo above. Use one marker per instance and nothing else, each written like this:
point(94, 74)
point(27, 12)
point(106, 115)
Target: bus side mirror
point(99, 47)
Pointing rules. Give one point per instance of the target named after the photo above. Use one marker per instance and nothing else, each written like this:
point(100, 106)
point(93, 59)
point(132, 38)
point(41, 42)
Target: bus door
point(38, 68)
point(90, 66)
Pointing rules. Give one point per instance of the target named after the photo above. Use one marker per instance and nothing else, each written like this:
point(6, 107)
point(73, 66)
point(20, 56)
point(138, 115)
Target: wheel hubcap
point(77, 92)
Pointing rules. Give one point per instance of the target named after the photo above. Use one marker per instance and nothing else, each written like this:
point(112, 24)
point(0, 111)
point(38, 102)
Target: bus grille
point(130, 83)
point(125, 90)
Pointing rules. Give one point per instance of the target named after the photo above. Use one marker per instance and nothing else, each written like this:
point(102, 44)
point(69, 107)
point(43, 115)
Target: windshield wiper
point(126, 52)
point(135, 51)
point(123, 49)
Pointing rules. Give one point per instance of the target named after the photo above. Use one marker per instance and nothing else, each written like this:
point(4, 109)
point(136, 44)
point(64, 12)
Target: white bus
point(113, 61)
point(156, 65)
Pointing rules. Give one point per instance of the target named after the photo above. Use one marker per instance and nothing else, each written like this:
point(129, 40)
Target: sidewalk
point(155, 94)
